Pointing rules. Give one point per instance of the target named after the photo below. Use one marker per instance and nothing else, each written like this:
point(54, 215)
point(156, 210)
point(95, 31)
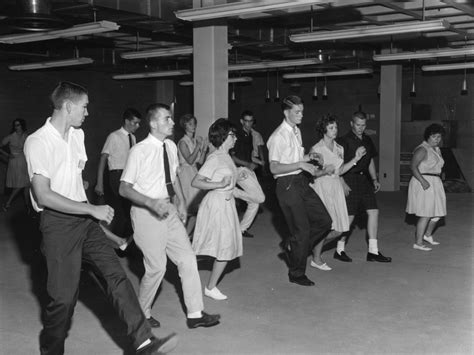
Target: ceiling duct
point(34, 15)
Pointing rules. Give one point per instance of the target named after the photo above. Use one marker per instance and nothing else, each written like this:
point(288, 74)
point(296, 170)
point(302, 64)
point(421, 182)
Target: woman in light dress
point(426, 197)
point(17, 171)
point(329, 187)
point(191, 151)
point(217, 233)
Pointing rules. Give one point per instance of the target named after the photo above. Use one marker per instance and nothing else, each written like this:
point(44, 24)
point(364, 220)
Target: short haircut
point(150, 111)
point(246, 113)
point(433, 129)
point(360, 115)
point(22, 123)
point(219, 131)
point(324, 122)
point(66, 90)
point(290, 101)
point(183, 120)
point(130, 113)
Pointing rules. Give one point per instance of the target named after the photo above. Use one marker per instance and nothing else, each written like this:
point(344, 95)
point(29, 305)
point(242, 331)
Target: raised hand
point(360, 152)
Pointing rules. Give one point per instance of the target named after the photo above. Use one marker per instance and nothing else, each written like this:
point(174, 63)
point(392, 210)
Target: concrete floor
point(421, 303)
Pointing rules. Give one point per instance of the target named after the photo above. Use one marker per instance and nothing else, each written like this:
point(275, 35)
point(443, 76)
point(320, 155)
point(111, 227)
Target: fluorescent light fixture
point(241, 8)
point(78, 30)
point(52, 64)
point(156, 74)
point(452, 66)
point(161, 52)
point(326, 74)
point(274, 64)
point(399, 28)
point(447, 52)
point(241, 79)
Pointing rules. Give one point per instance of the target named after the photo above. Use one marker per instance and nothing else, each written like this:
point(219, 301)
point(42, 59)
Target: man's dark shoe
point(301, 280)
point(159, 346)
point(246, 234)
point(153, 322)
point(378, 257)
point(342, 257)
point(207, 320)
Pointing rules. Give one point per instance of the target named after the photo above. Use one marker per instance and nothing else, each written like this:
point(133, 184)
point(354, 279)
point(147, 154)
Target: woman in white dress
point(426, 196)
point(191, 151)
point(329, 187)
point(217, 233)
point(17, 171)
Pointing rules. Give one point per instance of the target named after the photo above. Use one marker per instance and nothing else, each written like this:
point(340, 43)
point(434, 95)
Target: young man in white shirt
point(158, 213)
point(114, 155)
point(56, 156)
point(305, 214)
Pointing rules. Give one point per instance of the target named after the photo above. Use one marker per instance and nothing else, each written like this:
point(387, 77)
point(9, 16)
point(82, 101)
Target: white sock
point(194, 315)
point(340, 246)
point(145, 343)
point(373, 246)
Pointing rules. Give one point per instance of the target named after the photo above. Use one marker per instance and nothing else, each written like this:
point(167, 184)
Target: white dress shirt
point(285, 147)
point(61, 161)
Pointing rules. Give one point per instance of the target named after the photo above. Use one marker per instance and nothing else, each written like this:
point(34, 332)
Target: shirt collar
point(124, 131)
point(156, 141)
point(54, 131)
point(287, 126)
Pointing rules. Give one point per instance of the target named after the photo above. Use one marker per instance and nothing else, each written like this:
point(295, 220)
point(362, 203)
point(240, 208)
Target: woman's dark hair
point(185, 119)
point(219, 131)
point(433, 129)
point(324, 122)
point(22, 123)
point(290, 101)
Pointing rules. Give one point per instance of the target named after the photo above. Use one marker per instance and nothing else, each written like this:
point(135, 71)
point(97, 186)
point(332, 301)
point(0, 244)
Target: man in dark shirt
point(250, 190)
point(361, 186)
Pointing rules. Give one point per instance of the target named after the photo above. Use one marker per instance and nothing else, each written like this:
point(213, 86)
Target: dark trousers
point(68, 240)
point(306, 216)
point(121, 224)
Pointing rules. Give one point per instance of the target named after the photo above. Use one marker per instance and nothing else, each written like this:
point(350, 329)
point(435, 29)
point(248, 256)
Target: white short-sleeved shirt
point(117, 147)
point(145, 166)
point(61, 161)
point(285, 147)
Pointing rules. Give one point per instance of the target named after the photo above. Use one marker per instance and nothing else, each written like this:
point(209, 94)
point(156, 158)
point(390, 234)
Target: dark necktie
point(130, 141)
point(166, 163)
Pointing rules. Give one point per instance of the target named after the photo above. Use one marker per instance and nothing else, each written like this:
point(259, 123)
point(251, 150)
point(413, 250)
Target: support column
point(210, 75)
point(390, 127)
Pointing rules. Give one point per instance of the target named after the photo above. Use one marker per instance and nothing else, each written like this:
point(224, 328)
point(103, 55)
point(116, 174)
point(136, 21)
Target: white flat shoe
point(215, 294)
point(421, 247)
point(430, 240)
point(323, 267)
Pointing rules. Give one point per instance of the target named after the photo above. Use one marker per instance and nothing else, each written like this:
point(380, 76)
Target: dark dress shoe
point(153, 322)
point(207, 320)
point(342, 257)
point(301, 280)
point(246, 234)
point(159, 346)
point(378, 257)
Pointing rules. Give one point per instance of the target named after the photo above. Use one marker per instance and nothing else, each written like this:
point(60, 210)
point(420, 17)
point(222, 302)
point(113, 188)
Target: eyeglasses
point(249, 120)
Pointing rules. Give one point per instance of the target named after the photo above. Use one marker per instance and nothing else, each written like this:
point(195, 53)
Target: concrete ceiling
point(148, 24)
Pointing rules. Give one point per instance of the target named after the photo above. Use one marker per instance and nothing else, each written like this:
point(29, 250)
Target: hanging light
point(267, 92)
point(277, 93)
point(413, 88)
point(378, 91)
point(315, 90)
point(325, 89)
point(464, 82)
point(232, 95)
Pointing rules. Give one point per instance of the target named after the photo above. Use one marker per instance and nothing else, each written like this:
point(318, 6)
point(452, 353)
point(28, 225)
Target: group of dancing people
point(317, 202)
